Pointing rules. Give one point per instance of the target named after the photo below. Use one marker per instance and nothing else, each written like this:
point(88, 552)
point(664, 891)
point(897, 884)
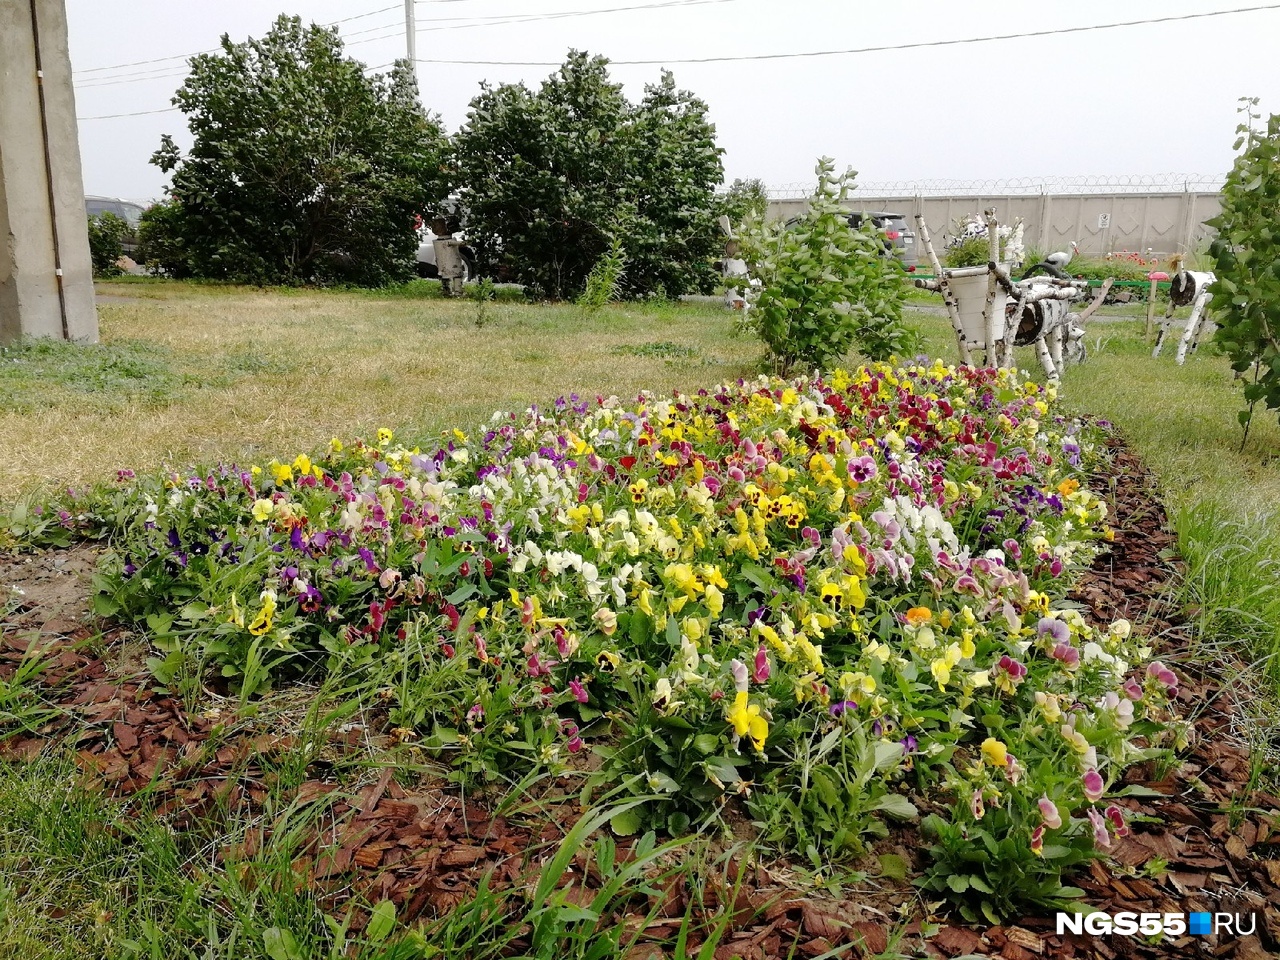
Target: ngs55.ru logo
point(1128, 924)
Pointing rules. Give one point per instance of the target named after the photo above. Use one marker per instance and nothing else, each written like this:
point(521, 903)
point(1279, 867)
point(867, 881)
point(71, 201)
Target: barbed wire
point(1022, 186)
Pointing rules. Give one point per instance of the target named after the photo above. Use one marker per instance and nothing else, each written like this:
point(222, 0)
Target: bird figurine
point(1063, 257)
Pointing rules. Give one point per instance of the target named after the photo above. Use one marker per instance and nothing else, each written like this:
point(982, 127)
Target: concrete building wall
point(42, 218)
point(1102, 222)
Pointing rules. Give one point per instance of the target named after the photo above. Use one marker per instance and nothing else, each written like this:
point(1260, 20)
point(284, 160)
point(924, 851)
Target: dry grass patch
point(227, 373)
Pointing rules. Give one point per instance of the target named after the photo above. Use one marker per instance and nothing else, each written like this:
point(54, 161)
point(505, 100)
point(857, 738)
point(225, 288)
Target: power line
point(502, 19)
point(524, 17)
point(131, 78)
point(140, 113)
point(879, 49)
point(187, 56)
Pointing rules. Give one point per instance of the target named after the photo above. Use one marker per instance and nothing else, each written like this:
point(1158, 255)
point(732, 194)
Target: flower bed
point(833, 598)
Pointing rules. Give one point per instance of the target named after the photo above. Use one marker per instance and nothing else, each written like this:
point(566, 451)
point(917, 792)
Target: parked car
point(898, 238)
point(127, 211)
point(896, 231)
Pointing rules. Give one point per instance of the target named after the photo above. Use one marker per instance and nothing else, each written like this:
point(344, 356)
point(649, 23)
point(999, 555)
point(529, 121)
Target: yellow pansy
point(994, 752)
point(747, 721)
point(262, 509)
point(263, 621)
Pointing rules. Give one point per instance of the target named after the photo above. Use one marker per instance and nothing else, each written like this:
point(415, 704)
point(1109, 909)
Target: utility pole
point(46, 278)
point(410, 30)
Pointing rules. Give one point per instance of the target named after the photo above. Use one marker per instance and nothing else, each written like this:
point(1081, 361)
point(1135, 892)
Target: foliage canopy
point(303, 169)
point(550, 179)
point(826, 285)
point(106, 243)
point(1246, 296)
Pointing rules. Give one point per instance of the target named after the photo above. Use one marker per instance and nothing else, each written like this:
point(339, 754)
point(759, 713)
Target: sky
point(1140, 100)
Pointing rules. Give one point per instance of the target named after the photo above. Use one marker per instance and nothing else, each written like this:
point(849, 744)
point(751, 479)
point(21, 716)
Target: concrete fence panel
point(1102, 223)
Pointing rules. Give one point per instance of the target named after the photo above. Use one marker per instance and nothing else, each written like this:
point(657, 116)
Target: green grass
point(205, 372)
point(198, 371)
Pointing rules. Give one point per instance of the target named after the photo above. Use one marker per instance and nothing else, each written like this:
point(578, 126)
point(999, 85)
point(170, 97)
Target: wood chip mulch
point(1205, 839)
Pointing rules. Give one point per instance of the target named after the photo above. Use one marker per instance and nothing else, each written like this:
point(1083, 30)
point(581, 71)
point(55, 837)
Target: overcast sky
point(1149, 99)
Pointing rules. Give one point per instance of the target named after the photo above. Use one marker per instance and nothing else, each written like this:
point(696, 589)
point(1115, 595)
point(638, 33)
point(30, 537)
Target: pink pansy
point(1116, 816)
point(975, 805)
point(573, 740)
point(761, 672)
point(1008, 674)
point(1093, 784)
point(1100, 835)
point(1068, 654)
point(1037, 841)
point(1049, 810)
point(1160, 672)
point(1133, 689)
point(578, 690)
point(739, 671)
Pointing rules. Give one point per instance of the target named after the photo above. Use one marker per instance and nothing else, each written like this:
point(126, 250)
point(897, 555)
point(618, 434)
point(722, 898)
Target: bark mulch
point(1203, 837)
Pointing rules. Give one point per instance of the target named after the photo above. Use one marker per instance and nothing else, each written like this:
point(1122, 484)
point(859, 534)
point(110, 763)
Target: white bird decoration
point(1063, 257)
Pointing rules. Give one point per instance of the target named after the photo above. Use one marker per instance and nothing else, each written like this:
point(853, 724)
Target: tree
point(743, 200)
point(106, 243)
point(303, 169)
point(1246, 295)
point(673, 239)
point(826, 286)
point(550, 179)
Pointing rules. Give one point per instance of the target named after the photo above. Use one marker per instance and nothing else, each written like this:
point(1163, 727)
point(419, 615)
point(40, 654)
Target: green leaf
point(626, 823)
point(280, 944)
point(722, 768)
point(893, 866)
point(381, 921)
point(105, 606)
point(897, 806)
point(958, 883)
point(706, 743)
point(572, 913)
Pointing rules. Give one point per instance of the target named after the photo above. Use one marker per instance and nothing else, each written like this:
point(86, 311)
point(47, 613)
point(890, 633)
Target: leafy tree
point(550, 179)
point(303, 169)
point(826, 286)
point(673, 239)
point(743, 200)
point(106, 243)
point(1246, 296)
point(160, 243)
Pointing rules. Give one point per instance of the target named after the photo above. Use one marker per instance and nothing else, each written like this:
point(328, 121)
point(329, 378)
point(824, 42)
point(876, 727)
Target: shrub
point(160, 243)
point(604, 282)
point(106, 239)
point(826, 286)
point(550, 178)
point(744, 200)
point(1246, 296)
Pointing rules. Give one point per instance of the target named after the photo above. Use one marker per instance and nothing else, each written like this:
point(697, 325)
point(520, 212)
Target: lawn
point(190, 373)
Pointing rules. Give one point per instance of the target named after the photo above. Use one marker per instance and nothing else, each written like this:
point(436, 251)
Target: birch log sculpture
point(940, 285)
point(990, 344)
point(1187, 287)
point(1033, 311)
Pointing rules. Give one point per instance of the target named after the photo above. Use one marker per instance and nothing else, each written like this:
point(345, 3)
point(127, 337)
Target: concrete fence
point(1102, 223)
